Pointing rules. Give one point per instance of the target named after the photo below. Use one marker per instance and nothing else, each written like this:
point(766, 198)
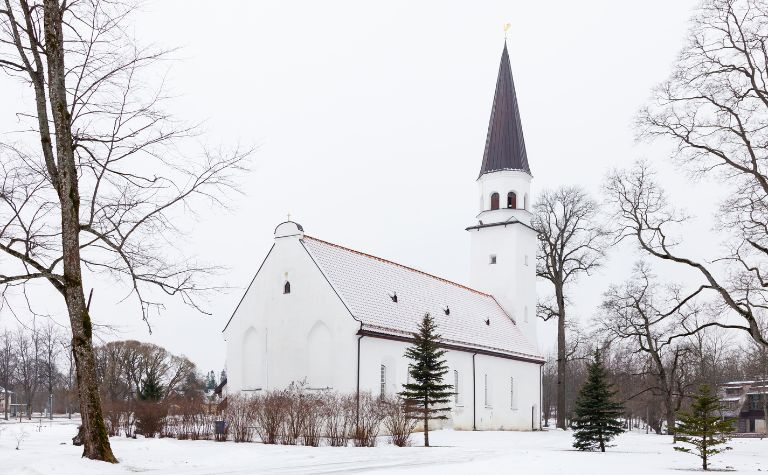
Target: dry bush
point(339, 418)
point(113, 414)
point(240, 417)
point(398, 421)
point(170, 426)
point(150, 417)
point(313, 419)
point(293, 423)
point(193, 420)
point(370, 415)
point(128, 421)
point(270, 416)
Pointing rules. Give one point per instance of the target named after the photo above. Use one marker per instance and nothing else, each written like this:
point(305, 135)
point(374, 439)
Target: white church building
point(341, 319)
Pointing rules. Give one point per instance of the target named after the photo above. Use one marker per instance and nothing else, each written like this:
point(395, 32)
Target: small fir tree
point(210, 381)
point(151, 389)
point(703, 428)
point(597, 414)
point(426, 395)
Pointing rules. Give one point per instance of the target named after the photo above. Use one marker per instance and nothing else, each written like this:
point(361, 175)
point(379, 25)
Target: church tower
point(503, 242)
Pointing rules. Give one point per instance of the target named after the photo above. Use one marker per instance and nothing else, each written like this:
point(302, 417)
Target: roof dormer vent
point(447, 310)
point(394, 297)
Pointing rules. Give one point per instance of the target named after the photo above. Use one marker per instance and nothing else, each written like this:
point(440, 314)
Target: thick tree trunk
point(561, 356)
point(95, 438)
point(426, 427)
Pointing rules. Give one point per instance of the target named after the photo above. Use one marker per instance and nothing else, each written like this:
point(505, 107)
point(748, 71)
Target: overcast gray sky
point(370, 121)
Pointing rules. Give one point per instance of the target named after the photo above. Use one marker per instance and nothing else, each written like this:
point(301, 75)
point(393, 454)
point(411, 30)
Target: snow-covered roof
point(367, 283)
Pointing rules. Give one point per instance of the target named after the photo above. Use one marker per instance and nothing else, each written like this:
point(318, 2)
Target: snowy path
point(50, 452)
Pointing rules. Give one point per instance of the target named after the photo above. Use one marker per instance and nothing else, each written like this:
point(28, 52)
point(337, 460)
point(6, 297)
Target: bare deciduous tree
point(714, 108)
point(632, 313)
point(642, 212)
point(571, 243)
point(29, 369)
point(7, 367)
point(50, 347)
point(98, 192)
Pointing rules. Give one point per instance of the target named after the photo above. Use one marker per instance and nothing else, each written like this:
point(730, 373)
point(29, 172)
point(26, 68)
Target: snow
point(49, 451)
point(365, 284)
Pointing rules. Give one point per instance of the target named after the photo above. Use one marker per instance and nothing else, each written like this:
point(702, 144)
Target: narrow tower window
point(492, 259)
point(287, 287)
point(456, 397)
point(511, 200)
point(383, 381)
point(495, 201)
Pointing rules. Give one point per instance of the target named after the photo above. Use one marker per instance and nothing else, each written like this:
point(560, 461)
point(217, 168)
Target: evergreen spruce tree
point(426, 395)
point(151, 389)
point(210, 381)
point(703, 428)
point(596, 420)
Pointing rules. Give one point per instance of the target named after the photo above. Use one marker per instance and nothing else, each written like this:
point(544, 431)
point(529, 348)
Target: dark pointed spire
point(505, 146)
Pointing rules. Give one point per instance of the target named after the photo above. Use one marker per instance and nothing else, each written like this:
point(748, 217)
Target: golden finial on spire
point(506, 28)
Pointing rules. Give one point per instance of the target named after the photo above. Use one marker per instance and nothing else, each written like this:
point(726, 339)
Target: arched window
point(511, 200)
point(287, 287)
point(495, 201)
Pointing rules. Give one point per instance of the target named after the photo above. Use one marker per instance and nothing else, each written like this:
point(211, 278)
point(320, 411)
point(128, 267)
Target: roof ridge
point(381, 259)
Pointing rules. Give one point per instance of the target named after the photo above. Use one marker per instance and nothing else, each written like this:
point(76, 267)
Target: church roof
point(466, 318)
point(505, 145)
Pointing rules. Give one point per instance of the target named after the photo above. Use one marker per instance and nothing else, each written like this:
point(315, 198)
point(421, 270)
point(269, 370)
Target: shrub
point(270, 415)
point(293, 422)
point(149, 417)
point(339, 417)
point(368, 423)
point(113, 414)
point(193, 421)
point(128, 421)
point(398, 422)
point(240, 416)
point(313, 419)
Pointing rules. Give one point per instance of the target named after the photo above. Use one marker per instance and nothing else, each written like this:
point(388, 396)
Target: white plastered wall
point(512, 279)
point(274, 338)
point(499, 414)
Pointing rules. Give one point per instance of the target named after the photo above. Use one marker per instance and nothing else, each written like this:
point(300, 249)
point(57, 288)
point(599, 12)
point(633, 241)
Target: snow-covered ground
point(49, 450)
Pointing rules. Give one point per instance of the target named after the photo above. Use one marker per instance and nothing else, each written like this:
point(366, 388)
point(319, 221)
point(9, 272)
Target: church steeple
point(504, 244)
point(505, 145)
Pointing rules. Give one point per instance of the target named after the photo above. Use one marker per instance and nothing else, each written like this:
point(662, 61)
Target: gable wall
point(274, 338)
